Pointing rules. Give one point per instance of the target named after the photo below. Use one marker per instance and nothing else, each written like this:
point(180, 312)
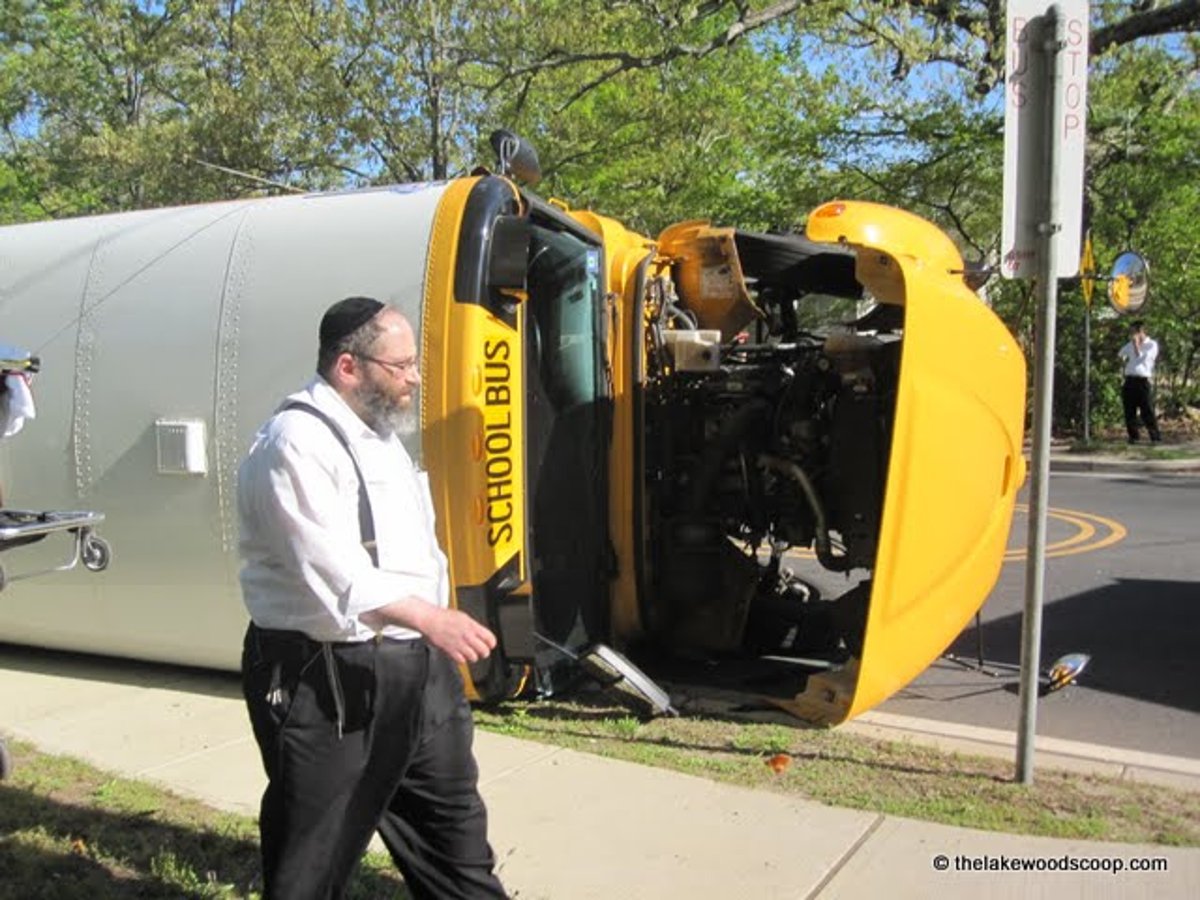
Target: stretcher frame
point(21, 527)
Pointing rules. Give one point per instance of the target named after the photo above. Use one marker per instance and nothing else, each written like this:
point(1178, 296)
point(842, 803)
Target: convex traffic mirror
point(1129, 284)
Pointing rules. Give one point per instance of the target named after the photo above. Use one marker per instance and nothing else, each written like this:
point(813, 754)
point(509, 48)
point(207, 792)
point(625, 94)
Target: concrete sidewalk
point(569, 826)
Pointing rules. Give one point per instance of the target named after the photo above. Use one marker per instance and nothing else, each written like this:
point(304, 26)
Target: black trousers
point(401, 762)
point(1137, 397)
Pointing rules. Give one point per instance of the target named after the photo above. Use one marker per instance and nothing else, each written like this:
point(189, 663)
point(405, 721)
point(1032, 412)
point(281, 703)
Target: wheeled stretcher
point(21, 527)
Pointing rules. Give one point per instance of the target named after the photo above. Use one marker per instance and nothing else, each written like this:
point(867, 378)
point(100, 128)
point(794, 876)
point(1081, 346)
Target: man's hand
point(450, 630)
point(458, 635)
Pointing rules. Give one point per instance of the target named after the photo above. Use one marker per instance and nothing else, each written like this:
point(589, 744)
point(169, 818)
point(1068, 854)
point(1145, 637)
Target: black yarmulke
point(347, 316)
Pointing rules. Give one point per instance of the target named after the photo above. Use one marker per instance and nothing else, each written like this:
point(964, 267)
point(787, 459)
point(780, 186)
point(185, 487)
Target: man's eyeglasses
point(400, 369)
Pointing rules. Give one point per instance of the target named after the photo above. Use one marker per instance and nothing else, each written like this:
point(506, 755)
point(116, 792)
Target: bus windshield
point(564, 291)
point(567, 427)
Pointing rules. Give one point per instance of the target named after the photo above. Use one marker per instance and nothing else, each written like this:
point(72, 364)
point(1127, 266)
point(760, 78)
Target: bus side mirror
point(515, 156)
point(508, 255)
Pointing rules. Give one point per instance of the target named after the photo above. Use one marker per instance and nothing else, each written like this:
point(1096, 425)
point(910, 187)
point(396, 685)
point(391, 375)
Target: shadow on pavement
point(92, 667)
point(1140, 634)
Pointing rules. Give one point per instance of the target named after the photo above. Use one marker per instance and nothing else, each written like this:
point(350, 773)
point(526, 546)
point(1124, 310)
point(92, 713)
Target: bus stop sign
point(1031, 81)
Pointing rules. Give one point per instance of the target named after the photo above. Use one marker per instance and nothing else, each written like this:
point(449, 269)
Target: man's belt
point(283, 646)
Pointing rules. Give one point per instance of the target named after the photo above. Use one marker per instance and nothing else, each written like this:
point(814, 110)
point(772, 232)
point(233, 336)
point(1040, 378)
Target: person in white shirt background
point(1137, 394)
point(350, 663)
point(16, 400)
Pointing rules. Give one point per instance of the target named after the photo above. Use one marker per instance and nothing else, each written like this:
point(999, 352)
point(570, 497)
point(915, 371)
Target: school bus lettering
point(499, 465)
point(494, 349)
point(499, 490)
point(504, 514)
point(496, 391)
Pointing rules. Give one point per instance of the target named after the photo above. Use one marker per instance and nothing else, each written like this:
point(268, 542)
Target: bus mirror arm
point(508, 254)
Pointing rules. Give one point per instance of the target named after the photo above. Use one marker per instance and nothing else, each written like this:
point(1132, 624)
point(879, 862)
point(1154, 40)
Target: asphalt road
point(1122, 584)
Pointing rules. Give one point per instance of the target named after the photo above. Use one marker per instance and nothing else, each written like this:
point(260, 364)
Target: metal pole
point(1047, 45)
point(1087, 372)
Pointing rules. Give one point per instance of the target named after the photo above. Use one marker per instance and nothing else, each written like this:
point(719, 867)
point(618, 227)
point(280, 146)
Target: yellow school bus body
point(956, 461)
point(955, 465)
point(607, 422)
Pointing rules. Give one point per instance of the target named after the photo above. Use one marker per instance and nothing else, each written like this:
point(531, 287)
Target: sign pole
point(1087, 373)
point(1087, 285)
point(1047, 44)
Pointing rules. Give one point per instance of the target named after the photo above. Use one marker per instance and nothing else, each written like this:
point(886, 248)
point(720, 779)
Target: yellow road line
point(1084, 539)
point(1078, 542)
point(1086, 529)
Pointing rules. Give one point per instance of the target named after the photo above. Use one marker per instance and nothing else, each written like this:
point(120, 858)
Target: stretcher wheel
point(96, 553)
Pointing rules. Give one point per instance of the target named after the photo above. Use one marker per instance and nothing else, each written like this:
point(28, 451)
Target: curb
point(1073, 757)
point(1122, 466)
point(1178, 772)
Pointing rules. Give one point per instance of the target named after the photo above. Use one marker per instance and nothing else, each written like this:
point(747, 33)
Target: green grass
point(68, 830)
point(840, 769)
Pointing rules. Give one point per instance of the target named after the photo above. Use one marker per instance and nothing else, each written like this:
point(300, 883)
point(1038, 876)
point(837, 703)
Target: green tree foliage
point(1145, 112)
point(109, 104)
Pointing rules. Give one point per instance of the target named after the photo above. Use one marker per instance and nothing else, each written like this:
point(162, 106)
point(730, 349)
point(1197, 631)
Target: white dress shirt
point(16, 404)
point(1140, 364)
point(305, 568)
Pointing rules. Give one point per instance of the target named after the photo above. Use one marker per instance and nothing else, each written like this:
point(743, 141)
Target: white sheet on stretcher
point(16, 404)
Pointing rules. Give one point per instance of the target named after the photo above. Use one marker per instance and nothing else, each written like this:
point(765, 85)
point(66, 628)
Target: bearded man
point(350, 663)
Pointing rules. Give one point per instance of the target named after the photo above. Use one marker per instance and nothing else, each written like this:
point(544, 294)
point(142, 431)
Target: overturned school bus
point(630, 441)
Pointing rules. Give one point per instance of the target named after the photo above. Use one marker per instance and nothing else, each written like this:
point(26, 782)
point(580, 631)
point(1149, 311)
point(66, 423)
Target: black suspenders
point(366, 527)
point(366, 521)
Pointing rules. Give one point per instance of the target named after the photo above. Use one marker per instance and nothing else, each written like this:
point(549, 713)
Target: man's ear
point(345, 368)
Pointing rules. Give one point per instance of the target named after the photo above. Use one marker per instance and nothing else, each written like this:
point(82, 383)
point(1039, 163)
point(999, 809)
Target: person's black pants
point(1137, 397)
point(402, 763)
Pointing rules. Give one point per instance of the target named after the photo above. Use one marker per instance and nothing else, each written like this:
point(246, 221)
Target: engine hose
point(825, 554)
point(681, 315)
point(725, 442)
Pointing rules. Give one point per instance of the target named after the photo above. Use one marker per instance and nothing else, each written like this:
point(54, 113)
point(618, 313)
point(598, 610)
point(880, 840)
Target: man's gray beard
point(386, 418)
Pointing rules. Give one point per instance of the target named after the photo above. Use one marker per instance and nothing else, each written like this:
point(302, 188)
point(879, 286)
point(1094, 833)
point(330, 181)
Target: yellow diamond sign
point(1087, 271)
